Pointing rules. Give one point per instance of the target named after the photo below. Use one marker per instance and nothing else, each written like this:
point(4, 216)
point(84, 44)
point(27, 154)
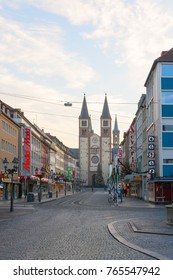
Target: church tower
point(84, 141)
point(116, 140)
point(105, 140)
point(95, 153)
point(116, 134)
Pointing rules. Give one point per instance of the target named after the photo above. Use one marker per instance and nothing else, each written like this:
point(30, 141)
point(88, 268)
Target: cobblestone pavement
point(85, 226)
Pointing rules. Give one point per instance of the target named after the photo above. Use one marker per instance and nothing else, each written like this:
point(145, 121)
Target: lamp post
point(40, 174)
point(11, 168)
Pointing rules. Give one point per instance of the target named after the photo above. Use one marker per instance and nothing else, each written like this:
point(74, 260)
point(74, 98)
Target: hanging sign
point(27, 149)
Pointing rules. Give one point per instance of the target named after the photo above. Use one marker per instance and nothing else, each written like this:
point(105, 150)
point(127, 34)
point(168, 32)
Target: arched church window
point(84, 123)
point(105, 123)
point(105, 132)
point(83, 132)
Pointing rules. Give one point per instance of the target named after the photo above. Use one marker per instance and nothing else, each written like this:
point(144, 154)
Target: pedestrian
point(120, 194)
point(115, 195)
point(125, 192)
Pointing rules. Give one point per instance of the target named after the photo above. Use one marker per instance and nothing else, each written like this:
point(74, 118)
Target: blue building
point(159, 127)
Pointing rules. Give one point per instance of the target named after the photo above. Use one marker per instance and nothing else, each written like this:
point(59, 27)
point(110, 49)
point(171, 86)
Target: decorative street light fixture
point(40, 174)
point(11, 168)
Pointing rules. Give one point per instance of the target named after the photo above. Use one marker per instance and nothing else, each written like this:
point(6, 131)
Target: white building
point(159, 106)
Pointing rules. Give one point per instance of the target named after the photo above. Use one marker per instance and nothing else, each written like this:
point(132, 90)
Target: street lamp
point(11, 168)
point(39, 173)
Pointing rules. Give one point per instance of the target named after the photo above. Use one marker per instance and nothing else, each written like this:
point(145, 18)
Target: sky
point(54, 51)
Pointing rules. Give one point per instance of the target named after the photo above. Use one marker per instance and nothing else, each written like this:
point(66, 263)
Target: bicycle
point(112, 199)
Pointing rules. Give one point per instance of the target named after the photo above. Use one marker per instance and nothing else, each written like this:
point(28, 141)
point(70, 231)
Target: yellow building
point(9, 131)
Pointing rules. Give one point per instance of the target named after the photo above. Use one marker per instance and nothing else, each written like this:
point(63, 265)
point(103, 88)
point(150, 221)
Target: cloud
point(136, 31)
point(133, 32)
point(39, 51)
point(41, 105)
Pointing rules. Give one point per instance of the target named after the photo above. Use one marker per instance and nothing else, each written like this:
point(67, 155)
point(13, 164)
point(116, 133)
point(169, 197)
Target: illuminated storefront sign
point(151, 155)
point(27, 149)
point(132, 147)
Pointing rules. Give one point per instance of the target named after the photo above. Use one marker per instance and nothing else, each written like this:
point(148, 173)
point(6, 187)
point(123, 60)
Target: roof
point(116, 125)
point(166, 56)
point(90, 125)
point(105, 112)
point(84, 111)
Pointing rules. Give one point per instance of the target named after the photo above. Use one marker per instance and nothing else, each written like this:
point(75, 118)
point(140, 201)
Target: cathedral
point(96, 152)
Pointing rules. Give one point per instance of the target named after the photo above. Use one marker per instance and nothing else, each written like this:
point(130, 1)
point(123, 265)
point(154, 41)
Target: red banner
point(27, 149)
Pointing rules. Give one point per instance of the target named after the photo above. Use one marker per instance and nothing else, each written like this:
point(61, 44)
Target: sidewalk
point(22, 207)
point(151, 236)
point(23, 201)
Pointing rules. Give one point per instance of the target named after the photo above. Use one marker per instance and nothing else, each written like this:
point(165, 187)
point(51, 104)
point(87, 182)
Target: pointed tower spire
point(91, 129)
point(116, 136)
point(115, 125)
point(84, 111)
point(105, 112)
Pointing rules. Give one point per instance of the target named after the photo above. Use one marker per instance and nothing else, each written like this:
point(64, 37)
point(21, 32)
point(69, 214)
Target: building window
point(105, 123)
point(83, 132)
point(94, 150)
point(167, 97)
point(105, 132)
point(167, 83)
point(167, 111)
point(84, 123)
point(95, 159)
point(166, 160)
point(167, 70)
point(167, 170)
point(167, 139)
point(167, 127)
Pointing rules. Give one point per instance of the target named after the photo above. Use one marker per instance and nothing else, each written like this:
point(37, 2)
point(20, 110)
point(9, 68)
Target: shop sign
point(151, 154)
point(6, 179)
point(151, 170)
point(150, 146)
point(151, 138)
point(151, 163)
point(27, 149)
point(137, 178)
point(132, 147)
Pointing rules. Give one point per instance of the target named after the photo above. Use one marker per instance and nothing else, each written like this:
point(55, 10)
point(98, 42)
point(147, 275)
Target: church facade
point(95, 151)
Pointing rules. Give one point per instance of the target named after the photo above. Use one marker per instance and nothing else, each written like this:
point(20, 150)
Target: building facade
point(95, 151)
point(159, 103)
point(35, 150)
point(154, 135)
point(9, 143)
